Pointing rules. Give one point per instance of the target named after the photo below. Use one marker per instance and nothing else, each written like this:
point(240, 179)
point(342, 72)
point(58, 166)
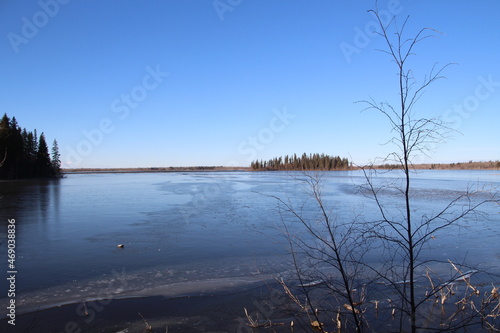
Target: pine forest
point(24, 154)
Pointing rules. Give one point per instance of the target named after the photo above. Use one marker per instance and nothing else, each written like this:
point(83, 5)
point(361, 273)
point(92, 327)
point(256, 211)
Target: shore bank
point(490, 165)
point(221, 312)
point(154, 169)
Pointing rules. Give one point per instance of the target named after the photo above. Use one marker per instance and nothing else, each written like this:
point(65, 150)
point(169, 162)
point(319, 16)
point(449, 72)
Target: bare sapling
point(403, 231)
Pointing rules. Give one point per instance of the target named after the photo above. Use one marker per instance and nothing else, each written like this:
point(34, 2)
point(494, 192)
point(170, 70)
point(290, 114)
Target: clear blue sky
point(203, 82)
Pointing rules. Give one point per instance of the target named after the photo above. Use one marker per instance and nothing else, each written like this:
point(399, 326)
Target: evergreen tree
point(4, 135)
point(22, 155)
point(56, 159)
point(306, 162)
point(43, 163)
point(16, 144)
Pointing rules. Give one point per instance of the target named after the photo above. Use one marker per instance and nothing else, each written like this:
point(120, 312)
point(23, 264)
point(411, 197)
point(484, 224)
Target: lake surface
point(192, 233)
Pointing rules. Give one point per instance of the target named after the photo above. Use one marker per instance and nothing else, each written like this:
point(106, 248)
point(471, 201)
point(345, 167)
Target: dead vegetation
point(470, 165)
point(257, 323)
point(387, 293)
point(153, 169)
point(451, 304)
point(148, 328)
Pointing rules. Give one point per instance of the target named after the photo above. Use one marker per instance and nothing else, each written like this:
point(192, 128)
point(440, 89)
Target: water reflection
point(30, 201)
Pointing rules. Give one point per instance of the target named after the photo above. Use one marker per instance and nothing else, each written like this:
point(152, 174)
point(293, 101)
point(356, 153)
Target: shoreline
point(213, 312)
point(153, 170)
point(181, 289)
point(458, 167)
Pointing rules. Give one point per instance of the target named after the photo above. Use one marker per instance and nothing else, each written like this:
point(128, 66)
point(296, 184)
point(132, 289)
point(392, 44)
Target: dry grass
point(256, 323)
point(452, 304)
point(471, 165)
point(148, 328)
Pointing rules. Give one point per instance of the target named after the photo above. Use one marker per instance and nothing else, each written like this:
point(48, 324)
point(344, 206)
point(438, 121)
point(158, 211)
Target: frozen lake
point(192, 233)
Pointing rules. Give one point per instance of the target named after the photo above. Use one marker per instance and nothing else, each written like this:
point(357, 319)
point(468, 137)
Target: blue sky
point(195, 82)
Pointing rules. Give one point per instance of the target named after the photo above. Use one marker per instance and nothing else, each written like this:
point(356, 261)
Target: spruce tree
point(56, 159)
point(4, 135)
point(22, 155)
point(44, 166)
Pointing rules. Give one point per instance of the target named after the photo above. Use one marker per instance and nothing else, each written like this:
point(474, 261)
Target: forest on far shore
point(25, 155)
point(305, 162)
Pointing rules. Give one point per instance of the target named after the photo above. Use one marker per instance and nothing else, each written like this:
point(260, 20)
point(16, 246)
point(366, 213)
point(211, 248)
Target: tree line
point(24, 154)
point(305, 162)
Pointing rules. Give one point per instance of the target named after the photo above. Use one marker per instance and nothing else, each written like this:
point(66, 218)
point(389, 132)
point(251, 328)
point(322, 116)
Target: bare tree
point(326, 259)
point(403, 234)
point(331, 255)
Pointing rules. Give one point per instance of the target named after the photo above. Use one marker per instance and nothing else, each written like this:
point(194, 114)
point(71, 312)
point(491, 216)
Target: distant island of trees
point(25, 155)
point(321, 162)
